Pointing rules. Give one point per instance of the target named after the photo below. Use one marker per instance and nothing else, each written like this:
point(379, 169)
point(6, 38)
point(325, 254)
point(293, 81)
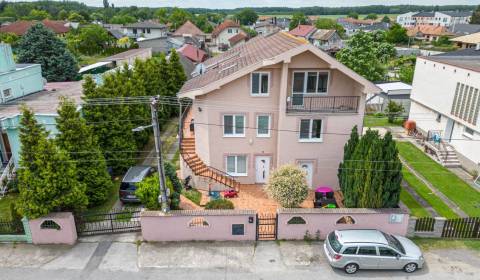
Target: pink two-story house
point(272, 101)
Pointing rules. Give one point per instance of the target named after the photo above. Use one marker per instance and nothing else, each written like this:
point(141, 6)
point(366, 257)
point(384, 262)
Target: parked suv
point(128, 187)
point(371, 249)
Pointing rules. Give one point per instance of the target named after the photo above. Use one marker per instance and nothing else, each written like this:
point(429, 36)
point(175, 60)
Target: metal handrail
point(323, 104)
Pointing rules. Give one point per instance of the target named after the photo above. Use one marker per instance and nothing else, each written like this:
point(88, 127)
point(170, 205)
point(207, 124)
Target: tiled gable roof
point(192, 53)
point(224, 25)
point(188, 28)
point(237, 38)
point(256, 50)
point(428, 30)
point(302, 30)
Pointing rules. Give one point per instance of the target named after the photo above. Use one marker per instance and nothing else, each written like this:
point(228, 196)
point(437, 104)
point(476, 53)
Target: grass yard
point(373, 121)
point(194, 195)
point(461, 193)
point(425, 193)
point(5, 205)
point(415, 208)
point(427, 244)
point(87, 60)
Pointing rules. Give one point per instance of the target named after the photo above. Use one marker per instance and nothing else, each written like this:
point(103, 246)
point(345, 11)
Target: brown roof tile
point(188, 28)
point(237, 38)
point(235, 59)
point(22, 26)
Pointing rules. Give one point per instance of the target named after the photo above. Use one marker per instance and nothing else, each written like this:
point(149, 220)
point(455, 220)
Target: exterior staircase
point(445, 153)
point(199, 168)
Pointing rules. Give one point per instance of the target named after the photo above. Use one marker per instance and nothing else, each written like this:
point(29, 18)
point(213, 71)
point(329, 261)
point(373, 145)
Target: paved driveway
point(124, 259)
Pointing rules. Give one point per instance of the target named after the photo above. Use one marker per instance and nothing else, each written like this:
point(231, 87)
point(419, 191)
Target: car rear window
point(128, 187)
point(334, 243)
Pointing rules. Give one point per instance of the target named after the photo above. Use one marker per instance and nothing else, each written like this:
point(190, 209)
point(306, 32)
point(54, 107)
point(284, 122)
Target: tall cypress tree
point(348, 150)
point(77, 139)
point(393, 168)
point(176, 75)
point(48, 177)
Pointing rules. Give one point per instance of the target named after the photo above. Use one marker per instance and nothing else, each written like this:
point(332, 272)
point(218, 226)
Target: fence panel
point(11, 227)
point(115, 221)
point(425, 224)
point(462, 228)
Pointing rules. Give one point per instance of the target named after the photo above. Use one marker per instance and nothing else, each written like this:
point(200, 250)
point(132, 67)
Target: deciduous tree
point(297, 19)
point(247, 16)
point(288, 186)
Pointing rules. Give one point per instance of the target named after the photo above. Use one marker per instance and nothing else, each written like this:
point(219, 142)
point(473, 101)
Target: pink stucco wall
point(324, 220)
point(175, 226)
point(282, 146)
point(67, 234)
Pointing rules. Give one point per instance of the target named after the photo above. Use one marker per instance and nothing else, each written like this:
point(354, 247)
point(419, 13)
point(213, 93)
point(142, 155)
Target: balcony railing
point(298, 103)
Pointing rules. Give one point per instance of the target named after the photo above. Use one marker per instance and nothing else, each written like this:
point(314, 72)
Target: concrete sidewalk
point(123, 258)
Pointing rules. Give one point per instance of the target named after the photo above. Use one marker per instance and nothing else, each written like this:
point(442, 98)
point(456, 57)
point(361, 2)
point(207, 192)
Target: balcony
point(301, 103)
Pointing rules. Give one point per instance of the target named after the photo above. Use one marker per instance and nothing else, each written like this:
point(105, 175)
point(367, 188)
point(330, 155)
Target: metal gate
point(267, 225)
point(462, 228)
point(115, 221)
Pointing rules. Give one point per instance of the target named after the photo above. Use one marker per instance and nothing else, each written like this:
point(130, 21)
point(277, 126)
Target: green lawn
point(427, 244)
point(5, 205)
point(415, 208)
point(373, 121)
point(194, 195)
point(425, 193)
point(461, 193)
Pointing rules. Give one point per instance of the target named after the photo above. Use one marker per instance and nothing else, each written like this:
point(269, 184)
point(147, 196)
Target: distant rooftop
point(126, 54)
point(146, 24)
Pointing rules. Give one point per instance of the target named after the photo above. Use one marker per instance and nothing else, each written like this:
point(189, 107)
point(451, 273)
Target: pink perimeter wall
point(187, 225)
point(393, 221)
point(67, 234)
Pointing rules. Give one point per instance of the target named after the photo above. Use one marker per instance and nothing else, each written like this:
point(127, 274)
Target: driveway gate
point(115, 221)
point(267, 224)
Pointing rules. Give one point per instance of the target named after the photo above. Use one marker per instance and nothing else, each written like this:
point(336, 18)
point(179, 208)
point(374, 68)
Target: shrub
point(194, 195)
point(288, 186)
point(148, 191)
point(219, 204)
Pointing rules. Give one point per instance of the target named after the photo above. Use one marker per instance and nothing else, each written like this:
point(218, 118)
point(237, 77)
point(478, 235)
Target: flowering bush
point(288, 186)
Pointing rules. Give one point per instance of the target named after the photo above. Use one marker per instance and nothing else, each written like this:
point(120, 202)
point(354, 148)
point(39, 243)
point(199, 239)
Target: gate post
point(438, 227)
point(256, 222)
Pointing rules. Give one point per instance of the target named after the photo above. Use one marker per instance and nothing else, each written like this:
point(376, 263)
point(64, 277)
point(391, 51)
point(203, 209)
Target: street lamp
point(163, 193)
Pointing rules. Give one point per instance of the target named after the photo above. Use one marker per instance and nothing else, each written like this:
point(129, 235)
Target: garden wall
point(55, 228)
point(394, 221)
point(189, 225)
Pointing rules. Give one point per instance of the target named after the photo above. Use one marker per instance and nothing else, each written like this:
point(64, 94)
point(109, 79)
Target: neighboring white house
point(145, 29)
point(224, 31)
point(445, 99)
point(444, 18)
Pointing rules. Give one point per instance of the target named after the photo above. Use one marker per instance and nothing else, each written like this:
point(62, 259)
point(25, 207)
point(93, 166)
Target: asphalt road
point(125, 259)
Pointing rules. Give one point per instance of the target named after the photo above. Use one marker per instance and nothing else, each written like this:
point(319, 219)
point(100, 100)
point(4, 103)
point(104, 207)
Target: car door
point(388, 259)
point(367, 257)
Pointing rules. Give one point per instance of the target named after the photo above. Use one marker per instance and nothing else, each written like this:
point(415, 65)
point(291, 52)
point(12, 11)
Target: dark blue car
point(134, 175)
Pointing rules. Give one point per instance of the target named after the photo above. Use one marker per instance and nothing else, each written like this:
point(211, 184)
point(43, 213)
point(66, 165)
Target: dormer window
point(260, 82)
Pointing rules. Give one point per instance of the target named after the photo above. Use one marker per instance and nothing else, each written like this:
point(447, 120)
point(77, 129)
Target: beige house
point(271, 101)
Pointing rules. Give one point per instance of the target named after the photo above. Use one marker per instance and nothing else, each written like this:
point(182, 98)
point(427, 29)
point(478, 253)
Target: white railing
point(7, 175)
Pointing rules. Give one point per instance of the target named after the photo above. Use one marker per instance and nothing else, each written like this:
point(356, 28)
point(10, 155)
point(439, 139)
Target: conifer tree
point(176, 73)
point(348, 150)
point(77, 139)
point(392, 167)
point(48, 177)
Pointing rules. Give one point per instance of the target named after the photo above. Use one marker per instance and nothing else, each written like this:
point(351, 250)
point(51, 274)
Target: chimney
point(7, 63)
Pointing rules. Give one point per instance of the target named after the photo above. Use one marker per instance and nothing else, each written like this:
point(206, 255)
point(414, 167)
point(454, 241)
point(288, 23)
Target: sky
point(228, 4)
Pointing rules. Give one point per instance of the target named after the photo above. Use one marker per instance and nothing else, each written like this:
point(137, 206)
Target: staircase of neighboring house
point(445, 153)
point(199, 168)
point(7, 174)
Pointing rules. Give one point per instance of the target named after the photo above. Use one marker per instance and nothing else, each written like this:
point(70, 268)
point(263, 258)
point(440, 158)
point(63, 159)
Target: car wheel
point(351, 268)
point(410, 267)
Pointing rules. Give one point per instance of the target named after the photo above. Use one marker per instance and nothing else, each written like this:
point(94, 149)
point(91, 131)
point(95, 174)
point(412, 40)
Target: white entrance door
point(308, 168)
point(262, 169)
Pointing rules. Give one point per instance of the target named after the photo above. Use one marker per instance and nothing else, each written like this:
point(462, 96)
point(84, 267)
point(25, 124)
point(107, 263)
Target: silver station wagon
point(371, 249)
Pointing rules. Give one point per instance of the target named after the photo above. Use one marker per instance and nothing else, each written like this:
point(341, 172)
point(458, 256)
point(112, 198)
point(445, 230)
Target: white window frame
point(234, 134)
point(305, 79)
point(310, 139)
point(269, 126)
point(259, 94)
point(236, 174)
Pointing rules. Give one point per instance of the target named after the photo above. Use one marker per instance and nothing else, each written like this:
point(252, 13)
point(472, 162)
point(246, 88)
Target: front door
point(262, 169)
point(308, 168)
point(449, 129)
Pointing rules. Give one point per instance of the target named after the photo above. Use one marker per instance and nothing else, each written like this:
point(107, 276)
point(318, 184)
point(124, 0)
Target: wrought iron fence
point(114, 221)
point(462, 228)
point(322, 104)
point(11, 227)
point(425, 224)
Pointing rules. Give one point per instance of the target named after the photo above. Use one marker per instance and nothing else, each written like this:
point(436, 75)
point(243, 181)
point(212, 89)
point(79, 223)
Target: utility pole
point(163, 194)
